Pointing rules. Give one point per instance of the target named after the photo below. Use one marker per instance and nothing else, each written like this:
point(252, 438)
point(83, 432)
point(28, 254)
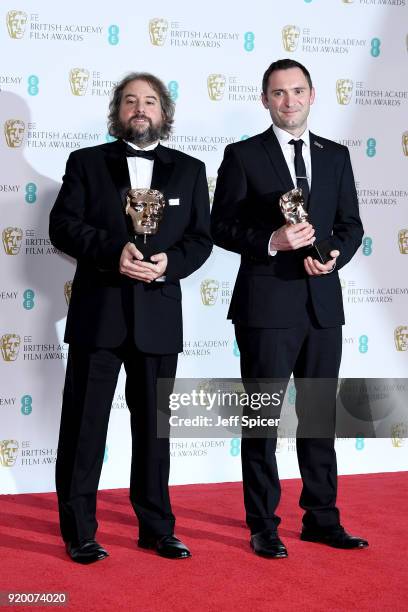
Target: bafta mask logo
point(401, 338)
point(398, 434)
point(16, 23)
point(14, 132)
point(12, 239)
point(8, 452)
point(68, 291)
point(344, 91)
point(403, 241)
point(145, 208)
point(211, 187)
point(216, 86)
point(348, 1)
point(10, 346)
point(290, 37)
point(158, 31)
point(78, 79)
point(405, 143)
point(209, 291)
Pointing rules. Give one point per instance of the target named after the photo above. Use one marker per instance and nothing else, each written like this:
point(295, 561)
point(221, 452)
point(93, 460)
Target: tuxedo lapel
point(118, 169)
point(162, 169)
point(274, 151)
point(320, 162)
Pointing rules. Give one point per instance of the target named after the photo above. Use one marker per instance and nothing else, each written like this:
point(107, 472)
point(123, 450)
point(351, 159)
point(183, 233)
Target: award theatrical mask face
point(16, 23)
point(158, 31)
point(8, 452)
point(209, 291)
point(14, 132)
point(68, 291)
point(403, 241)
point(405, 143)
point(12, 239)
point(398, 434)
point(344, 91)
point(290, 37)
point(10, 346)
point(78, 80)
point(291, 205)
point(401, 338)
point(145, 208)
point(216, 86)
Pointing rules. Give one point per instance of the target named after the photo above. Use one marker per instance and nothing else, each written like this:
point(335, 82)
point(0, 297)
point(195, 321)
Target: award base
point(320, 251)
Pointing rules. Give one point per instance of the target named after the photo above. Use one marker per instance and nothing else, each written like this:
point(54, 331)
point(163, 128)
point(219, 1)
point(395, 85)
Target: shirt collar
point(150, 147)
point(284, 137)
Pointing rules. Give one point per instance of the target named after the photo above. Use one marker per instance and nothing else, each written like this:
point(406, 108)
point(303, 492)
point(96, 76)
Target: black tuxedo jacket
point(272, 291)
point(88, 223)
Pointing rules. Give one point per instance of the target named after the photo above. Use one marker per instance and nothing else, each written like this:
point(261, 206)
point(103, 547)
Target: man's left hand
point(158, 267)
point(314, 267)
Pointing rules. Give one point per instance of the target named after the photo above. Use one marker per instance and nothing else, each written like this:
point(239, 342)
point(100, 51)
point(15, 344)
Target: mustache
point(140, 116)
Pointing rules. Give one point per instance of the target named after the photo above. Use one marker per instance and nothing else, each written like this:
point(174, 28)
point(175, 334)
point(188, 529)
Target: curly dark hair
point(115, 127)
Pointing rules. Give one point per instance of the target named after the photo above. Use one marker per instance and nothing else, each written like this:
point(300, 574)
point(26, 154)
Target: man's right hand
point(290, 237)
point(131, 264)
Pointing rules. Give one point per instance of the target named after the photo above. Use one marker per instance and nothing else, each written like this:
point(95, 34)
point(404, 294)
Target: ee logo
point(33, 81)
point(113, 35)
point(375, 47)
point(31, 193)
point(173, 88)
point(235, 448)
point(371, 147)
point(28, 301)
point(359, 442)
point(367, 246)
point(363, 344)
point(249, 38)
point(26, 405)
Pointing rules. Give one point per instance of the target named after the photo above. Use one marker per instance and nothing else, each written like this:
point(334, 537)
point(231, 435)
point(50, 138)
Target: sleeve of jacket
point(232, 225)
point(347, 229)
point(69, 230)
point(189, 253)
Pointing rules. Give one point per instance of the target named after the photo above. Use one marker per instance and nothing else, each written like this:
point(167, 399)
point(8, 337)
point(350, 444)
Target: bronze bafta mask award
point(292, 207)
point(145, 208)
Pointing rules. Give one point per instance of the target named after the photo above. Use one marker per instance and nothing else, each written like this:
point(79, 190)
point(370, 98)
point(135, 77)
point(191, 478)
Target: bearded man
point(125, 308)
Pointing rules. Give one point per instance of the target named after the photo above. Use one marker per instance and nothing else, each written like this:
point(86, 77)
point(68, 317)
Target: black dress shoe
point(87, 551)
point(338, 538)
point(266, 543)
point(166, 546)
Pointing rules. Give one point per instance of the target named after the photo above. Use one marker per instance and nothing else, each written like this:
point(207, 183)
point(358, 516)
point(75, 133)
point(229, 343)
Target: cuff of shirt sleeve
point(271, 252)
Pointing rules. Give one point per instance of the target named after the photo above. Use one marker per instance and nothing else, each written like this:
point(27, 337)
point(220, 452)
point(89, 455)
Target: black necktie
point(131, 152)
point(300, 169)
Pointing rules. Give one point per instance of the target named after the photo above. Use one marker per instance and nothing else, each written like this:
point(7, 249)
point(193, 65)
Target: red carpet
point(223, 575)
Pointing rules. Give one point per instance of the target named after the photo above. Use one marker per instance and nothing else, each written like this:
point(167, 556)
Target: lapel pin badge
point(318, 144)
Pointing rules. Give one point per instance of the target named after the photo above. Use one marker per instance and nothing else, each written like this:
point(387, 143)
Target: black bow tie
point(131, 152)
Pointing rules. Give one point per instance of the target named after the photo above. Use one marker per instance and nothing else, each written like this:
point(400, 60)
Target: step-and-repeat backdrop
point(59, 63)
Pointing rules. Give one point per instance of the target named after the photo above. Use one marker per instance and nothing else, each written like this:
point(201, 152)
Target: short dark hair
point(166, 103)
point(284, 64)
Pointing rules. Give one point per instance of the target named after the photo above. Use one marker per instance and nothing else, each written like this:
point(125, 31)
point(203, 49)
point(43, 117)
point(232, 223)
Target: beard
point(140, 136)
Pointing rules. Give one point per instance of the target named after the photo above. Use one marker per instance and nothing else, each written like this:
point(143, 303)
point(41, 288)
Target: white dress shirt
point(140, 173)
point(140, 169)
point(288, 151)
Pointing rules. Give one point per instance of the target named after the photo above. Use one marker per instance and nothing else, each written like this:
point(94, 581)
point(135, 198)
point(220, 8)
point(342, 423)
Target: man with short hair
point(125, 307)
point(287, 305)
